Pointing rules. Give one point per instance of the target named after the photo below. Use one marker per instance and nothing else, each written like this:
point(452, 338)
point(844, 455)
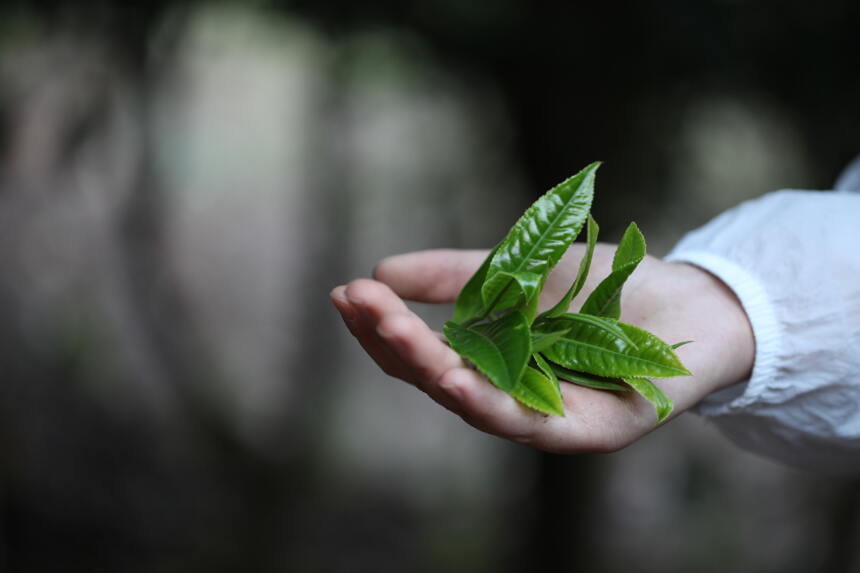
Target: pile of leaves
point(496, 326)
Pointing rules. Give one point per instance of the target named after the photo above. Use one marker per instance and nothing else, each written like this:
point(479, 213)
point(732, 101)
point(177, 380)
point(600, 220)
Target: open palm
point(674, 301)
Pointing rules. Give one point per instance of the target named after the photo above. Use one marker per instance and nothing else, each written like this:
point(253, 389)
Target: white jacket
point(793, 260)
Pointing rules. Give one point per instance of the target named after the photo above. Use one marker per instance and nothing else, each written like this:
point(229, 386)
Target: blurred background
point(182, 183)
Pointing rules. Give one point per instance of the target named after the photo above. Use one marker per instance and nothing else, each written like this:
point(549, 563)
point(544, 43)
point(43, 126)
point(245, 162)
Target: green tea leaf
point(566, 321)
point(653, 394)
point(544, 232)
point(631, 248)
point(539, 392)
point(469, 303)
point(605, 299)
point(520, 290)
point(543, 339)
point(500, 350)
point(588, 348)
point(494, 325)
point(545, 367)
point(589, 380)
point(680, 344)
point(584, 265)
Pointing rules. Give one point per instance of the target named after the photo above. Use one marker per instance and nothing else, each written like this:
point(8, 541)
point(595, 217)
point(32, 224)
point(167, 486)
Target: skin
point(674, 301)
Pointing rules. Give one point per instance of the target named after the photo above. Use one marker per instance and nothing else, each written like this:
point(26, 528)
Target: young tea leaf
point(500, 350)
point(567, 321)
point(631, 248)
point(539, 392)
point(521, 290)
point(545, 367)
point(605, 299)
point(525, 356)
point(589, 380)
point(584, 265)
point(653, 394)
point(544, 232)
point(587, 348)
point(543, 339)
point(469, 303)
point(680, 344)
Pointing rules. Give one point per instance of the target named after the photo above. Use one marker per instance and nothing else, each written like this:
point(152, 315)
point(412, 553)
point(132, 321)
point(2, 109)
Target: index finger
point(435, 276)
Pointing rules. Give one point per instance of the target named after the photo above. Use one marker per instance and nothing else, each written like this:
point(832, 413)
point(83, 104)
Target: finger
point(400, 341)
point(491, 410)
point(584, 427)
point(405, 347)
point(373, 300)
point(343, 306)
point(429, 276)
point(364, 329)
point(422, 357)
point(426, 357)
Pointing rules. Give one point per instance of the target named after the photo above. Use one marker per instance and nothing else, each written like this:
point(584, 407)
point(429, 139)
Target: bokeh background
point(182, 183)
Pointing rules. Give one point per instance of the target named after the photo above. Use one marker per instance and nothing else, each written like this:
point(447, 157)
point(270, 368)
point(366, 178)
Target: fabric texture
point(793, 260)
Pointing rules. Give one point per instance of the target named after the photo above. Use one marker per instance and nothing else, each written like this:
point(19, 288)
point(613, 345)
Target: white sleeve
point(793, 260)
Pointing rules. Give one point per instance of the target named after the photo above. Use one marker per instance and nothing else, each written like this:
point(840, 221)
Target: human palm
point(674, 301)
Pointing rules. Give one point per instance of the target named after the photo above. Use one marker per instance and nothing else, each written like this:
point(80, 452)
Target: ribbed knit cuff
point(766, 329)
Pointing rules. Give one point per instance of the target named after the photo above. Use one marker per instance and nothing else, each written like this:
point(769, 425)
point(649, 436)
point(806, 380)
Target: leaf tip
point(683, 369)
point(664, 413)
point(551, 411)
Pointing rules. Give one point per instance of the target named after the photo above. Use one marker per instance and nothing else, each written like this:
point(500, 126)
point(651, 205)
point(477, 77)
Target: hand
point(674, 301)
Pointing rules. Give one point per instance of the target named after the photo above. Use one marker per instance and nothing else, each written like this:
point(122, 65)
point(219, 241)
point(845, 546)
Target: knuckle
point(396, 326)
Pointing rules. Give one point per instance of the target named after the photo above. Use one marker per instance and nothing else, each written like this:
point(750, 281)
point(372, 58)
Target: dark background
point(116, 453)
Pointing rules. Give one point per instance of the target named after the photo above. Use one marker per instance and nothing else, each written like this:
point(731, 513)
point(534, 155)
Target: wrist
point(724, 326)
